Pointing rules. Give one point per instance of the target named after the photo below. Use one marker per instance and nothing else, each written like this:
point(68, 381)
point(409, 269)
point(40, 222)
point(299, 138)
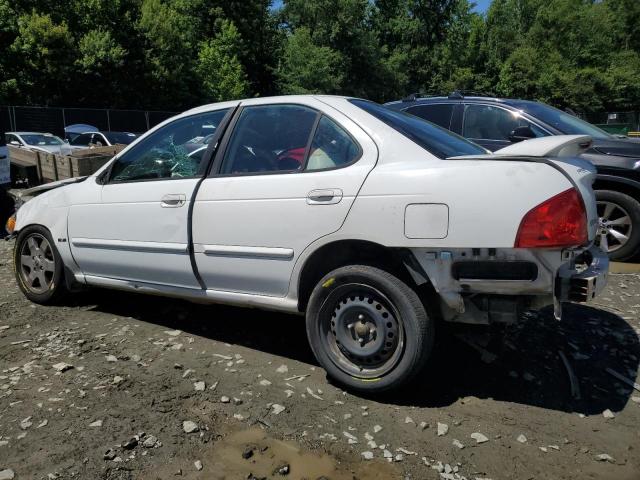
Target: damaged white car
point(371, 222)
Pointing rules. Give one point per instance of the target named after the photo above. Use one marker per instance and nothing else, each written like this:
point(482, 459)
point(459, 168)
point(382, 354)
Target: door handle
point(173, 200)
point(327, 196)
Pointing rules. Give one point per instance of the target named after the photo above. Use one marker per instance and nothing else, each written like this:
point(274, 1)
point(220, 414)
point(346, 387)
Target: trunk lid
point(562, 153)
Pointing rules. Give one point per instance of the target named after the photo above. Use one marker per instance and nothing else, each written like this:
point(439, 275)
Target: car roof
point(513, 102)
point(258, 100)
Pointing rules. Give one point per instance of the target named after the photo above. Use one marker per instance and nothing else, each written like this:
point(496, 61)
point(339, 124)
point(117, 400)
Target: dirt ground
point(121, 386)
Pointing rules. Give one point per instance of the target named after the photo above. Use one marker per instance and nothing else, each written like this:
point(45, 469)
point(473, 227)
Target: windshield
point(123, 138)
point(436, 140)
point(41, 139)
point(565, 122)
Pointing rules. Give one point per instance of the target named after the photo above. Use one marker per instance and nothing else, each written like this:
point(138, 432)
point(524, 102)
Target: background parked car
point(102, 139)
point(496, 123)
point(36, 141)
point(72, 131)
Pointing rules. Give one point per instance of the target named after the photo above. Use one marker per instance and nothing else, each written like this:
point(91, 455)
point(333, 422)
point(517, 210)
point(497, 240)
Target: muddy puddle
point(253, 455)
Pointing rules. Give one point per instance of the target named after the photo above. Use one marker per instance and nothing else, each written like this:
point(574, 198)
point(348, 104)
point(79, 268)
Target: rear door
point(285, 176)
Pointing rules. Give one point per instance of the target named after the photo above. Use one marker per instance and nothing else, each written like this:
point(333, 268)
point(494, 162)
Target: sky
point(482, 5)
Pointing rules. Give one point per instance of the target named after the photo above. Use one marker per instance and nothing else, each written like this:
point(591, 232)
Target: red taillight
point(560, 221)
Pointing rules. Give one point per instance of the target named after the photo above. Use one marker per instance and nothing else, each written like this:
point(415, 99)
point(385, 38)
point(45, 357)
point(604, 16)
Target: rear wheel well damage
point(397, 261)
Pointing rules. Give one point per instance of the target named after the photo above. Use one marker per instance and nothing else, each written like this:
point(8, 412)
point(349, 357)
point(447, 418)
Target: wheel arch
point(339, 253)
point(618, 184)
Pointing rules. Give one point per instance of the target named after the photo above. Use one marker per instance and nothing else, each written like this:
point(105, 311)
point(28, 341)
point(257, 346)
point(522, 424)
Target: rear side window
point(488, 122)
point(332, 147)
point(438, 113)
point(269, 138)
point(436, 140)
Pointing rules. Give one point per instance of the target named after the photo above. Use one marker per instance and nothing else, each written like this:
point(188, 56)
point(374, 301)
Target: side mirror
point(519, 134)
point(15, 143)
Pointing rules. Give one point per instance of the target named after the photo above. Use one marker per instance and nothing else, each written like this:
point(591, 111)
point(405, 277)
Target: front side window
point(438, 113)
point(436, 140)
point(331, 147)
point(488, 122)
point(269, 138)
point(81, 140)
point(168, 152)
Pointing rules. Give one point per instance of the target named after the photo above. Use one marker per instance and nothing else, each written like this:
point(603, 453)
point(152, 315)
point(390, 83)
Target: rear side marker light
point(560, 221)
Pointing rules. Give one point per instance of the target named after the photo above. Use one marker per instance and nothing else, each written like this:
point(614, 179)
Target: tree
point(170, 31)
point(43, 49)
point(221, 73)
point(307, 67)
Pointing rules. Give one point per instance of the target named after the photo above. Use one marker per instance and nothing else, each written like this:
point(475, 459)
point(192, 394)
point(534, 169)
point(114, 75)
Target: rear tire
point(619, 218)
point(368, 329)
point(38, 266)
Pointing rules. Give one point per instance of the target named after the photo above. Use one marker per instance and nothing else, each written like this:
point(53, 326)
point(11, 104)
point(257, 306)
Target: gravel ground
point(108, 385)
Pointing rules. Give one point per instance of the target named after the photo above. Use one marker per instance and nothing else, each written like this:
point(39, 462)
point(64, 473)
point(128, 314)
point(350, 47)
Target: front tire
point(368, 329)
point(38, 266)
point(619, 230)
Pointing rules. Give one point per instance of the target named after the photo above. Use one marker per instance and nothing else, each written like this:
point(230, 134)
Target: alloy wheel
point(37, 263)
point(615, 226)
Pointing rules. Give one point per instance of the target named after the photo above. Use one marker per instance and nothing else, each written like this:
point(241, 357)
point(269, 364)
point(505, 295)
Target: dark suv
point(495, 123)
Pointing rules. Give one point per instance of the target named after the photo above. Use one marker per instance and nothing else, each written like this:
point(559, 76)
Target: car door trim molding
point(130, 245)
point(274, 253)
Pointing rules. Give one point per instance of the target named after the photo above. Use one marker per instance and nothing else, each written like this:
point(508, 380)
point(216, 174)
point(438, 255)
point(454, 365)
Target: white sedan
point(370, 222)
point(39, 142)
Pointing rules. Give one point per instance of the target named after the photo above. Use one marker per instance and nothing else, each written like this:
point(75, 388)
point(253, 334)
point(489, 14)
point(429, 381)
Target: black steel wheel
point(362, 330)
point(368, 329)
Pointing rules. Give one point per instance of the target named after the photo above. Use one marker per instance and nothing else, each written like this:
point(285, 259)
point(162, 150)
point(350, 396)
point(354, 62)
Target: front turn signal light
point(10, 226)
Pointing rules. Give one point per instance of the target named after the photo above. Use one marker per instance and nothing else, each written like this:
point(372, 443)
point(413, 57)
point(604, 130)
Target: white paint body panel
point(128, 235)
point(253, 234)
point(272, 213)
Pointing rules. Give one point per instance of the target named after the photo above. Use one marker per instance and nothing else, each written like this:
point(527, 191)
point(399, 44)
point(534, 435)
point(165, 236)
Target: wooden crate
point(110, 150)
point(48, 167)
point(64, 167)
point(22, 156)
point(73, 166)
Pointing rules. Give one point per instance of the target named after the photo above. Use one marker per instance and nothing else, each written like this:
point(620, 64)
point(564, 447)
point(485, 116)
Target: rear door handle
point(327, 196)
point(173, 200)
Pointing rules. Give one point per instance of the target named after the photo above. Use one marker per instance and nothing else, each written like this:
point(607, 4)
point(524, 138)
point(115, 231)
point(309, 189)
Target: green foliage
point(220, 70)
point(173, 54)
point(307, 67)
point(43, 52)
point(99, 52)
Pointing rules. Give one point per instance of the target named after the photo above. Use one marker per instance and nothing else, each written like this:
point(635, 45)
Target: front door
point(285, 176)
point(138, 230)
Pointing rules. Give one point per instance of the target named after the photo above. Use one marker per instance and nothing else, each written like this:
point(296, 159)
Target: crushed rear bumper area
point(586, 279)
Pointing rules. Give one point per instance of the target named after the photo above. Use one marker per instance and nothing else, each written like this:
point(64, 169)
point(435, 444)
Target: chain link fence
point(55, 119)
